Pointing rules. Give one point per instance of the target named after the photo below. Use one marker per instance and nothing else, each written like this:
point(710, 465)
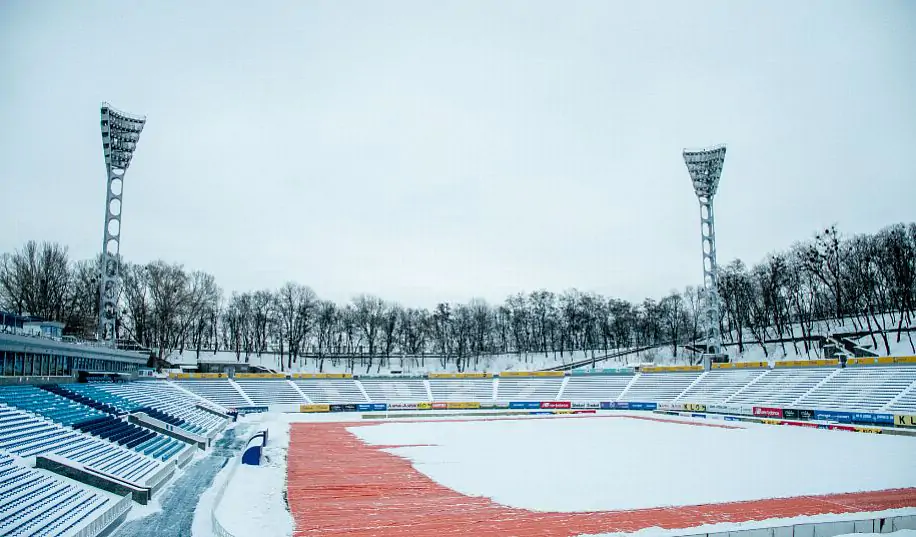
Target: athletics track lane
point(338, 485)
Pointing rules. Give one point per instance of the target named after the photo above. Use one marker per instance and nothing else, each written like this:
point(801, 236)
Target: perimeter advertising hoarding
point(642, 406)
point(768, 412)
point(904, 420)
point(350, 407)
point(829, 415)
point(372, 407)
point(314, 408)
point(872, 418)
point(609, 371)
point(525, 405)
point(465, 405)
point(556, 404)
point(581, 405)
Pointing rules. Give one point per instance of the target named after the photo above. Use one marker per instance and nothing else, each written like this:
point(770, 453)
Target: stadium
point(461, 159)
point(813, 449)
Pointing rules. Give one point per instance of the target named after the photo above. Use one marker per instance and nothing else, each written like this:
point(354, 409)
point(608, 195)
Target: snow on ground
point(253, 502)
point(775, 523)
point(604, 464)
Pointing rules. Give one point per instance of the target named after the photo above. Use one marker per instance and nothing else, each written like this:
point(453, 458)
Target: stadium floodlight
point(705, 168)
point(120, 133)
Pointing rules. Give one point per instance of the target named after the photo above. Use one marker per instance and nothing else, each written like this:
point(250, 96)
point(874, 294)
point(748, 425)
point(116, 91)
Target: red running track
point(338, 485)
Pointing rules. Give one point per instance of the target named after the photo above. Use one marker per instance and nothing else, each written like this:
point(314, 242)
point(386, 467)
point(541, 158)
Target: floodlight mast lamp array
point(120, 134)
point(705, 168)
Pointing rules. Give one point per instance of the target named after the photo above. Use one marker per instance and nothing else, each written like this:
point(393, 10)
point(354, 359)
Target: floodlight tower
point(120, 133)
point(705, 167)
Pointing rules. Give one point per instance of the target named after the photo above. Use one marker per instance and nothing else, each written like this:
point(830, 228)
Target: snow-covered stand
point(254, 448)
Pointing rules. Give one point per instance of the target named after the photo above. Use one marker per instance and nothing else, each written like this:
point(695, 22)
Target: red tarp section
point(337, 485)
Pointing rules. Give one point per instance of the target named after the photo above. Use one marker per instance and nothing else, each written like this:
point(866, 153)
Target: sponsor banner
point(669, 368)
point(260, 375)
point(829, 415)
point(322, 376)
point(807, 363)
point(751, 365)
point(460, 375)
point(250, 409)
point(500, 404)
point(885, 359)
point(862, 361)
point(721, 409)
point(197, 375)
point(372, 407)
point(728, 365)
point(464, 405)
point(586, 404)
point(556, 404)
point(585, 411)
point(769, 412)
point(769, 421)
point(642, 406)
point(607, 371)
point(532, 374)
point(790, 413)
point(607, 405)
point(802, 424)
point(403, 406)
point(864, 417)
point(805, 414)
point(904, 420)
point(424, 406)
point(886, 419)
point(314, 408)
point(905, 359)
point(841, 427)
point(669, 406)
point(344, 408)
point(732, 418)
point(541, 413)
point(563, 412)
point(698, 415)
point(524, 405)
point(873, 430)
point(693, 407)
point(440, 406)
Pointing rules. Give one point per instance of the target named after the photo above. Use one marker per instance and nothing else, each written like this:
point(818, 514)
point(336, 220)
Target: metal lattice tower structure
point(705, 167)
point(120, 133)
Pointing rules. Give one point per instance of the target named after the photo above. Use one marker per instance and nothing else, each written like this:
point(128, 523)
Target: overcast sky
point(438, 151)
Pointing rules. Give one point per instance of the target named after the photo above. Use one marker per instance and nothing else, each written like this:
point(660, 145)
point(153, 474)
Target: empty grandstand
point(36, 502)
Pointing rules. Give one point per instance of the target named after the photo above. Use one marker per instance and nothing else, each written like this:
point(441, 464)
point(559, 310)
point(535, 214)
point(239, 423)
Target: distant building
point(48, 329)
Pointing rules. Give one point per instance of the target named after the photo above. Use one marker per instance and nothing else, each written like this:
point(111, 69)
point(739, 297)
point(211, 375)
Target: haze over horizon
point(429, 152)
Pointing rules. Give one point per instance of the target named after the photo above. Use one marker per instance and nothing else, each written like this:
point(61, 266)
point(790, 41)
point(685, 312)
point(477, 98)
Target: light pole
point(705, 168)
point(120, 133)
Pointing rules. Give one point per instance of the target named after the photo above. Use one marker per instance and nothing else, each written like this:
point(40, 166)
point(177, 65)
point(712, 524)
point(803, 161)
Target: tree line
point(869, 279)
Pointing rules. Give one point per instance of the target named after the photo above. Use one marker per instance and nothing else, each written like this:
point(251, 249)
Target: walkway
point(180, 499)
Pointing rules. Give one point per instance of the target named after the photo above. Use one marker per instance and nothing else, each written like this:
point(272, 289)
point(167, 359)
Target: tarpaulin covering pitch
point(338, 485)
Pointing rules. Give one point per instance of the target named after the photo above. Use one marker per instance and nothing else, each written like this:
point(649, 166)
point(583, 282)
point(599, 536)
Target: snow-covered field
point(606, 464)
point(609, 462)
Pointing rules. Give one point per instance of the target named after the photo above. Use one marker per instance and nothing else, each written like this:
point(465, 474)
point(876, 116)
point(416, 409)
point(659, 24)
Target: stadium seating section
point(35, 502)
